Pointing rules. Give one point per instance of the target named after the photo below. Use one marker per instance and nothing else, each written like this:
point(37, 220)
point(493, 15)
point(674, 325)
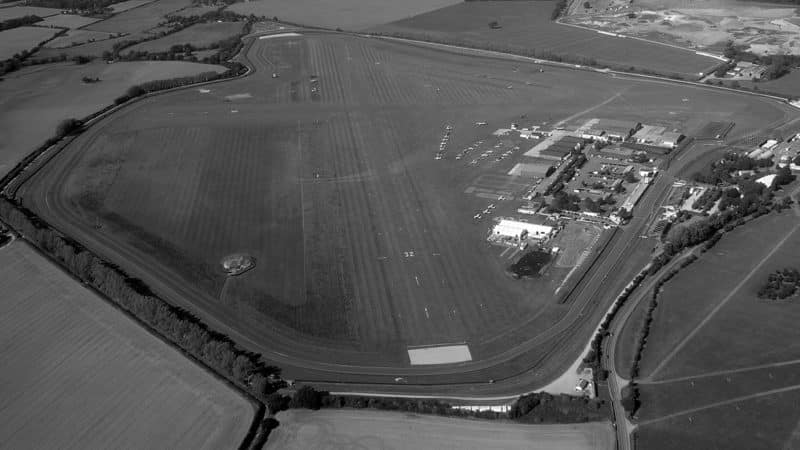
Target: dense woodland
point(780, 284)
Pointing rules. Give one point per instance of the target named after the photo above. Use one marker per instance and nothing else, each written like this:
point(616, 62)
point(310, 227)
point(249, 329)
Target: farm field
point(87, 49)
point(350, 15)
point(199, 35)
point(139, 19)
point(55, 92)
point(76, 37)
point(689, 297)
point(78, 373)
point(130, 4)
point(764, 422)
point(718, 359)
point(70, 21)
point(349, 428)
point(19, 39)
point(526, 28)
point(364, 245)
point(22, 11)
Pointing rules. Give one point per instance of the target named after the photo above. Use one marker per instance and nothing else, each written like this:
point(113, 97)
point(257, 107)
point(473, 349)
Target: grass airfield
point(364, 244)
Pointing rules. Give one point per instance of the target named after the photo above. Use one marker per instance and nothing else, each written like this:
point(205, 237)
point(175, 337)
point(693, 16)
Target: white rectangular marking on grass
point(446, 354)
point(279, 35)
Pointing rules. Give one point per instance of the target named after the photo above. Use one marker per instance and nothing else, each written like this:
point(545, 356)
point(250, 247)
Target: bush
point(68, 126)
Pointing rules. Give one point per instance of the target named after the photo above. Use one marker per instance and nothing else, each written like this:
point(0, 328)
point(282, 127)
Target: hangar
point(520, 230)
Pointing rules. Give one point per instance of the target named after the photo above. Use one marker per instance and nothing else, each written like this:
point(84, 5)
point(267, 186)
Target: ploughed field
point(78, 373)
point(364, 244)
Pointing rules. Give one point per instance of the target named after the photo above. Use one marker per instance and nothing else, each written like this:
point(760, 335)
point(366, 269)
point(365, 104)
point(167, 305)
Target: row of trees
point(532, 408)
point(171, 83)
point(19, 22)
point(176, 325)
point(19, 60)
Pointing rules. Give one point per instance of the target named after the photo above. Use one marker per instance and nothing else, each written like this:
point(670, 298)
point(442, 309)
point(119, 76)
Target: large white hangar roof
point(508, 227)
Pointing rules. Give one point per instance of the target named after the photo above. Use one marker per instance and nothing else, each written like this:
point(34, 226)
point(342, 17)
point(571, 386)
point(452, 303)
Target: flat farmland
point(525, 28)
point(720, 369)
point(199, 35)
point(348, 428)
point(364, 244)
point(55, 92)
point(763, 422)
point(351, 15)
point(22, 11)
point(19, 39)
point(689, 298)
point(70, 21)
point(77, 37)
point(78, 373)
point(141, 18)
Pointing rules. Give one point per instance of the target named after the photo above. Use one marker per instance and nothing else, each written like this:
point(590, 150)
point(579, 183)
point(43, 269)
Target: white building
point(521, 230)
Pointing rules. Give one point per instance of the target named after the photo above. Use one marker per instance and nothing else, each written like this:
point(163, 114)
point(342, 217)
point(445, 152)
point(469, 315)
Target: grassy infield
point(731, 346)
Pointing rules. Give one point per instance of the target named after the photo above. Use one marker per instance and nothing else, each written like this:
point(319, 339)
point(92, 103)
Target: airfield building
point(657, 137)
point(609, 130)
point(512, 229)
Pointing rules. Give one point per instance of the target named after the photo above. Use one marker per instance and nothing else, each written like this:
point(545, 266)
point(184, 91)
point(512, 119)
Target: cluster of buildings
point(609, 130)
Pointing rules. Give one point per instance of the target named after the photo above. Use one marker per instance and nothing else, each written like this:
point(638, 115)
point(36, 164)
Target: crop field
point(764, 422)
point(55, 92)
point(77, 373)
point(719, 359)
point(22, 11)
point(364, 245)
point(200, 35)
point(689, 297)
point(140, 19)
point(88, 48)
point(525, 27)
point(70, 21)
point(19, 39)
point(348, 428)
point(351, 15)
point(77, 37)
point(130, 4)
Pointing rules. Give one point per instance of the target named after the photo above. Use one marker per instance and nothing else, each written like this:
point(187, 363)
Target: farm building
point(520, 230)
point(611, 130)
point(657, 136)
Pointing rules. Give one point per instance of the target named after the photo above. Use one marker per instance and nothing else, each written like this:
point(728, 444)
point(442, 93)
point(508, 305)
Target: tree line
point(19, 22)
point(538, 407)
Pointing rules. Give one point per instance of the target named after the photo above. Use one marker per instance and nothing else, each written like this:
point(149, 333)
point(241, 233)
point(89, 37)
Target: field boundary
point(259, 408)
